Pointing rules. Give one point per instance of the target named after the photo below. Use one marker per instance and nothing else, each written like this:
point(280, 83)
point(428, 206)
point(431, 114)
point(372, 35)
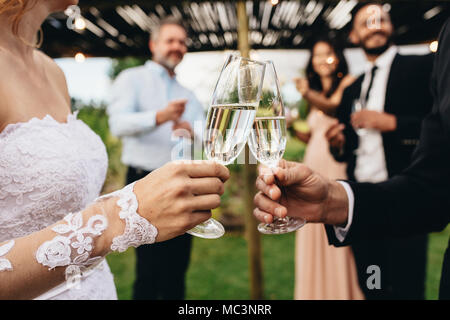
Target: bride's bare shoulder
point(51, 66)
point(55, 72)
point(6, 67)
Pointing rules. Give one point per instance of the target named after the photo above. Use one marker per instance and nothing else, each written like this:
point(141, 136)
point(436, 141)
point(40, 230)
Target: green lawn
point(437, 244)
point(219, 268)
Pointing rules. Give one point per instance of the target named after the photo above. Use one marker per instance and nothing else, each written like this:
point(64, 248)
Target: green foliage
point(295, 149)
point(118, 65)
point(230, 97)
point(303, 109)
point(302, 106)
point(266, 99)
point(96, 118)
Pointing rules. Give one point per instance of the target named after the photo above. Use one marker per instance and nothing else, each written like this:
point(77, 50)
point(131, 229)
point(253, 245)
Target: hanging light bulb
point(434, 46)
point(80, 23)
point(80, 58)
point(274, 2)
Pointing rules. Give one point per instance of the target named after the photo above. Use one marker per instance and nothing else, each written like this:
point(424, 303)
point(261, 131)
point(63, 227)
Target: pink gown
point(323, 272)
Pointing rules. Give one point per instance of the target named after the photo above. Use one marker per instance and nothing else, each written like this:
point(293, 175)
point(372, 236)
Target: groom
point(395, 92)
point(417, 201)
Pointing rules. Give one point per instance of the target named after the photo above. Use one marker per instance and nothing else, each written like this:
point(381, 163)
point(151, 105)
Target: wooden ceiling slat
point(223, 17)
point(120, 27)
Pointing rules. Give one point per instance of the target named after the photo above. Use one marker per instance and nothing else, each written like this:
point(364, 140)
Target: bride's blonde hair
point(19, 8)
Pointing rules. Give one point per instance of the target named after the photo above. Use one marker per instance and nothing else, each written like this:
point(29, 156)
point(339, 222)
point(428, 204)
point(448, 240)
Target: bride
point(54, 230)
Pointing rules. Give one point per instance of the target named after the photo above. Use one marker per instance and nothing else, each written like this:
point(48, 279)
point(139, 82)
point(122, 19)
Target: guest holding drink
point(323, 271)
point(382, 113)
point(412, 202)
point(148, 105)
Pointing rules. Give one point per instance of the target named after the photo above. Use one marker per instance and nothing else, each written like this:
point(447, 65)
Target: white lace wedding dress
point(47, 170)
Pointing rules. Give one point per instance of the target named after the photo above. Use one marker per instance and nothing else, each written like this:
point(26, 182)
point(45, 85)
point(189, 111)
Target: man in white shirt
point(147, 106)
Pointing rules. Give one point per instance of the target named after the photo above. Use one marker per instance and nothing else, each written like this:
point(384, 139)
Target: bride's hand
point(180, 195)
point(174, 199)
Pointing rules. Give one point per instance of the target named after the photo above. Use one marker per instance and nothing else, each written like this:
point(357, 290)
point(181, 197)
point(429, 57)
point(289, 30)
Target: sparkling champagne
point(267, 139)
point(228, 127)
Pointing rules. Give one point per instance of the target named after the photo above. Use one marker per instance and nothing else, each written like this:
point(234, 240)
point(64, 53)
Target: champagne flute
point(230, 118)
point(357, 106)
point(267, 142)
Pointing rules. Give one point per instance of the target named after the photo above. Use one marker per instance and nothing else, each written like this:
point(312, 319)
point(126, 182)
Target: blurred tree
point(118, 65)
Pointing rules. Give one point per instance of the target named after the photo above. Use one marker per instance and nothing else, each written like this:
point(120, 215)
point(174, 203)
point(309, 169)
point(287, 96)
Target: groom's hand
point(180, 195)
point(307, 195)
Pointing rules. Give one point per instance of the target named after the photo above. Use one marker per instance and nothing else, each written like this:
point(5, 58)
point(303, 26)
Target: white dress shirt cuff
point(341, 232)
point(129, 124)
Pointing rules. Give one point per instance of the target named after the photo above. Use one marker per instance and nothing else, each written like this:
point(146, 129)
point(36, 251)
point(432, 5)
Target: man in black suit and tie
point(414, 202)
point(382, 112)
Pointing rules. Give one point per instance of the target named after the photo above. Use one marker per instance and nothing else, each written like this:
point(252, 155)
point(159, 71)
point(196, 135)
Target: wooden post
point(252, 234)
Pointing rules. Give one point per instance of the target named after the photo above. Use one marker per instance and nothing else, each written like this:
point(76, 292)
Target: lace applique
point(5, 265)
point(74, 243)
point(75, 247)
point(138, 230)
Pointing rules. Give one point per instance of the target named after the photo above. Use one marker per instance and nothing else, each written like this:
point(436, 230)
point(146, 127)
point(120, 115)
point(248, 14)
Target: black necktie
point(372, 75)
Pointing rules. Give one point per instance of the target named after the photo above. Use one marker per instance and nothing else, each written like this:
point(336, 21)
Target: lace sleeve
point(5, 264)
point(138, 230)
point(74, 245)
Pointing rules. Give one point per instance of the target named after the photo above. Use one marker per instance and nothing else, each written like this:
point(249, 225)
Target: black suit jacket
point(417, 200)
point(408, 97)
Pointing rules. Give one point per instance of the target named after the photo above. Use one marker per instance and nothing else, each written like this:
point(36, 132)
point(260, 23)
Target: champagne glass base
point(281, 225)
point(210, 229)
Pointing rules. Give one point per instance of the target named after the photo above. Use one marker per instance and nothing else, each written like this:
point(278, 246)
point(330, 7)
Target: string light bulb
point(274, 2)
point(434, 46)
point(80, 58)
point(80, 24)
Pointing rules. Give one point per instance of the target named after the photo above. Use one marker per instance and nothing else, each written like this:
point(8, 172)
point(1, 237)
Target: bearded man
point(148, 107)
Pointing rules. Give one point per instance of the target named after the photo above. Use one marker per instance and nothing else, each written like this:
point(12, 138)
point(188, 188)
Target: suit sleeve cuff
point(341, 232)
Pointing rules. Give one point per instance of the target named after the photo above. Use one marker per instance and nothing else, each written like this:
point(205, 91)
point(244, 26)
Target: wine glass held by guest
point(53, 224)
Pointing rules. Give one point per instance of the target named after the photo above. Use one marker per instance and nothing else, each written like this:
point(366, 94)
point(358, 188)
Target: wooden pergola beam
point(252, 234)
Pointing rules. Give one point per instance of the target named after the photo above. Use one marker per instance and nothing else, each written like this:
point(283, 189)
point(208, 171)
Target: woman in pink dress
point(323, 271)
